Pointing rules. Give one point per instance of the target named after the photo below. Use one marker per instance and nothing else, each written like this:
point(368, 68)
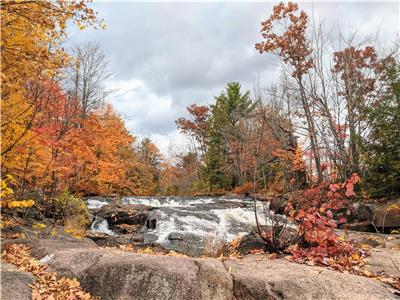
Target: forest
point(335, 112)
point(325, 136)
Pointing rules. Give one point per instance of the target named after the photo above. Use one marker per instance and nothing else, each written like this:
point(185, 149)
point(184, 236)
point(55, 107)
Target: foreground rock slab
point(123, 275)
point(114, 274)
point(15, 283)
point(262, 278)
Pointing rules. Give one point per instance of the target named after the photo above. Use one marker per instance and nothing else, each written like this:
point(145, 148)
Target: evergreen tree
point(231, 105)
point(382, 149)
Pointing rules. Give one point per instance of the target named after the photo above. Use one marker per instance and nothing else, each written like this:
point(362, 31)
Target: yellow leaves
point(355, 257)
point(39, 226)
point(21, 204)
point(147, 250)
point(7, 193)
point(53, 232)
point(76, 233)
point(47, 285)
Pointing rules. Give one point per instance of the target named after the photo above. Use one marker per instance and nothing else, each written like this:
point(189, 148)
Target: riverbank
point(138, 272)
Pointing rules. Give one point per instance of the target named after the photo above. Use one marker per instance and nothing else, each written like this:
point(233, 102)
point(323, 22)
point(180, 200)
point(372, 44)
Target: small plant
point(71, 211)
point(316, 212)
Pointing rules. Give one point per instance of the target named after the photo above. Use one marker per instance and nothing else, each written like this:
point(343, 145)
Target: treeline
point(335, 111)
point(57, 131)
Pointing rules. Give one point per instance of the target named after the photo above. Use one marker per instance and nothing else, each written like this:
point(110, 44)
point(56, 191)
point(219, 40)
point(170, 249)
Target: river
point(190, 222)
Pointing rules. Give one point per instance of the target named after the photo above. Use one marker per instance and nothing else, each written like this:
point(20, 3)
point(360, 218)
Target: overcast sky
point(165, 56)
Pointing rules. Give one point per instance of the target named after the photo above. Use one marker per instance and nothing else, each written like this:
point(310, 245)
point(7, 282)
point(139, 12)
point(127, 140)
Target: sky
point(166, 56)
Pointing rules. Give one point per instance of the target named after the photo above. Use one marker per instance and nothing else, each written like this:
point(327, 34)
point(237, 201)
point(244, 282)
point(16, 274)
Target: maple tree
point(294, 48)
point(32, 32)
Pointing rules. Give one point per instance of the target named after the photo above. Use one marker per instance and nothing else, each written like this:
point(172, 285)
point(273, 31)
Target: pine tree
point(382, 149)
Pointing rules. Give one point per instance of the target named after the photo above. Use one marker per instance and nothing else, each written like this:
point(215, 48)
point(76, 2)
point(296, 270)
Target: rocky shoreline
point(107, 268)
point(112, 273)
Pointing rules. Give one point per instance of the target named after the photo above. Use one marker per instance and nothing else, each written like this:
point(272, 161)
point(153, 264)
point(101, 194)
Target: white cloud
point(166, 56)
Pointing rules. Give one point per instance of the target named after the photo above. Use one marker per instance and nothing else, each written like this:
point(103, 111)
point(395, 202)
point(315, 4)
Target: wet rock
point(151, 224)
point(102, 239)
point(15, 283)
point(119, 217)
point(176, 236)
point(365, 226)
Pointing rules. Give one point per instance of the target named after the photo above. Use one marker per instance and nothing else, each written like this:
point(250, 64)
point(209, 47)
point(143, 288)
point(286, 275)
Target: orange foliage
point(94, 155)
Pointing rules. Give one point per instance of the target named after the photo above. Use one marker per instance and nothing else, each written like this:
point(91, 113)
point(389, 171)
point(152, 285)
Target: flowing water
point(179, 222)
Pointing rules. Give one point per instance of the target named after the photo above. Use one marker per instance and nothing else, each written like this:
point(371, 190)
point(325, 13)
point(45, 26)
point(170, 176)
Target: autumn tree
point(284, 34)
point(358, 70)
point(31, 35)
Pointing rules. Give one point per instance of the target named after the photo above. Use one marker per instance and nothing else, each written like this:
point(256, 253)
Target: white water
point(170, 201)
point(101, 225)
point(192, 219)
point(95, 203)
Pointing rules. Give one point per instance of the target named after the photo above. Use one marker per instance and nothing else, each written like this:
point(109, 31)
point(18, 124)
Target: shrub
point(245, 189)
point(315, 212)
point(70, 210)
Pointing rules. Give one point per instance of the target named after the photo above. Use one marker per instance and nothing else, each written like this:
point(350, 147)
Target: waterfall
point(101, 225)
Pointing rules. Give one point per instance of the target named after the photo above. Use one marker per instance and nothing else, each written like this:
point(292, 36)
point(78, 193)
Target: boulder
point(15, 283)
point(124, 218)
point(115, 274)
point(257, 278)
point(49, 246)
point(384, 261)
point(253, 241)
point(387, 215)
point(371, 216)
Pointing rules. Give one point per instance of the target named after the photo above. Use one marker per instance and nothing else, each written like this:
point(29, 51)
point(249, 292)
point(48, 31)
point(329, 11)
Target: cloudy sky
point(165, 56)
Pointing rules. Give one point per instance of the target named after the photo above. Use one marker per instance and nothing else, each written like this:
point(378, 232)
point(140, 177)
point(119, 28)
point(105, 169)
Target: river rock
point(103, 239)
point(253, 241)
point(122, 218)
point(15, 283)
point(387, 215)
point(114, 274)
point(370, 217)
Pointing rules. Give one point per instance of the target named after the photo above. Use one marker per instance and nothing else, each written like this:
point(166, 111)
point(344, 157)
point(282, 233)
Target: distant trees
point(56, 132)
point(246, 139)
point(87, 74)
point(332, 114)
point(331, 93)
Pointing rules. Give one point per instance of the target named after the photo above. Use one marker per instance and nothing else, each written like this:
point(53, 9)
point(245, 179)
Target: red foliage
point(292, 44)
point(318, 211)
